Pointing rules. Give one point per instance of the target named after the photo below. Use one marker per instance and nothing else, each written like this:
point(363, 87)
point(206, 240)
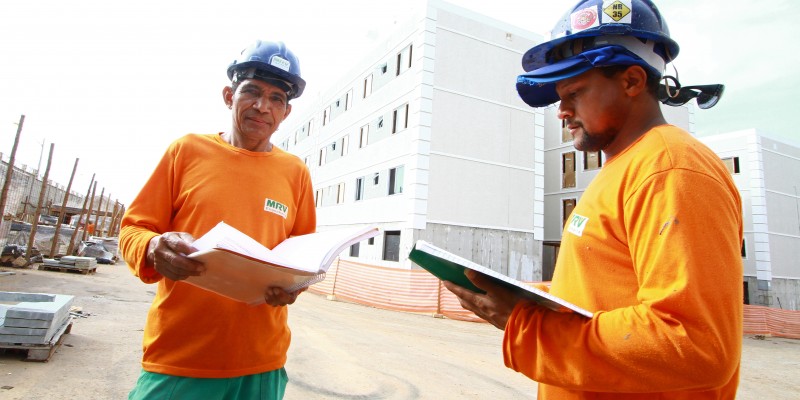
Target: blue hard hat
point(272, 62)
point(633, 31)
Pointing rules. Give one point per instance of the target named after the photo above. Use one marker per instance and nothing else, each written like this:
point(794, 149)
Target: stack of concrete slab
point(70, 263)
point(79, 262)
point(34, 321)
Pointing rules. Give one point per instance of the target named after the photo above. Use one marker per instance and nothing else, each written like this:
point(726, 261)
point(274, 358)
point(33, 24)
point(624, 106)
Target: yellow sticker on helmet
point(616, 12)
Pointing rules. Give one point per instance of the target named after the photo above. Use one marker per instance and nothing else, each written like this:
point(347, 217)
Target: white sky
point(113, 83)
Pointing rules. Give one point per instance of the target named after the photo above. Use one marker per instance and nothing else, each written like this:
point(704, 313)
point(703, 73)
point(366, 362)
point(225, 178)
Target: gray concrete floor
point(339, 350)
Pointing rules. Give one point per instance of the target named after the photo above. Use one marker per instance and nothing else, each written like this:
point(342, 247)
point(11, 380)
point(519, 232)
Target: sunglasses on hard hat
point(707, 96)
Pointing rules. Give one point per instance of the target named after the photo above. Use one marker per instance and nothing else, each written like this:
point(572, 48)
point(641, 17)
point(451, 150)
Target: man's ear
point(288, 110)
point(227, 96)
point(634, 79)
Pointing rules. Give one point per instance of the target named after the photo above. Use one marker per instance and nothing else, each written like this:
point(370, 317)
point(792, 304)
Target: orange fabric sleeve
point(144, 220)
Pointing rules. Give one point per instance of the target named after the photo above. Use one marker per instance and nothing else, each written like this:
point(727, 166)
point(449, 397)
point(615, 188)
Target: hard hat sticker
point(616, 12)
point(584, 19)
point(280, 62)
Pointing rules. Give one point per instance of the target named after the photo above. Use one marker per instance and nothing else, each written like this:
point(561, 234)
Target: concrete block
point(18, 297)
point(49, 338)
point(33, 317)
point(25, 323)
point(5, 330)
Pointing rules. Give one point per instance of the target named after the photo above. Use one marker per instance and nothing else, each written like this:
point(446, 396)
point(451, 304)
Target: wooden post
point(439, 288)
point(332, 296)
point(10, 169)
point(25, 205)
point(89, 214)
point(71, 246)
point(118, 222)
point(105, 215)
point(114, 216)
point(38, 210)
point(63, 210)
point(97, 217)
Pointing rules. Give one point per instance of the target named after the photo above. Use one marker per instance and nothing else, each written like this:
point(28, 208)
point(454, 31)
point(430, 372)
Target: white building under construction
point(429, 139)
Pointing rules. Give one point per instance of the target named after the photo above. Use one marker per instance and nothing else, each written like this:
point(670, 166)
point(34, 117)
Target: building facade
point(765, 171)
point(428, 139)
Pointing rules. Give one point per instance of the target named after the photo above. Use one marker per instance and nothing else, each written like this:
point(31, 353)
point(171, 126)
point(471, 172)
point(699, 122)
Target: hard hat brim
point(537, 87)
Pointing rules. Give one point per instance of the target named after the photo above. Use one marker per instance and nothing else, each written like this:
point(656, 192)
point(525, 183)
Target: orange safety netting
point(418, 291)
point(760, 320)
point(415, 291)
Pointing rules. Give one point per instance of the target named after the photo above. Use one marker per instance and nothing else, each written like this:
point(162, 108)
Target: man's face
point(593, 109)
point(258, 109)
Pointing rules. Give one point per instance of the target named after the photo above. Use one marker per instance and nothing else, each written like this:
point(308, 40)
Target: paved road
point(339, 350)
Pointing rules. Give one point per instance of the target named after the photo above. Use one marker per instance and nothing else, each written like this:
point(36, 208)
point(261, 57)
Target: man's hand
point(495, 306)
point(277, 297)
point(167, 254)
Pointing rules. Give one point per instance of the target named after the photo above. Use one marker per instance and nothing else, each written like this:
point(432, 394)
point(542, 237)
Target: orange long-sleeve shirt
point(200, 181)
point(653, 247)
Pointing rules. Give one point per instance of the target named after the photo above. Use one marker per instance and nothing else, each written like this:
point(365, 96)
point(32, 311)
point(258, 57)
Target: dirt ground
point(339, 350)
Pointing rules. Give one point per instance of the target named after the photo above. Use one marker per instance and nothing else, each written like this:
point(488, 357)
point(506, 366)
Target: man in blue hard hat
point(652, 247)
point(197, 344)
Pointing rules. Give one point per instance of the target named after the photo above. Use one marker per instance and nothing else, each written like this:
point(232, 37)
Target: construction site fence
point(767, 321)
point(417, 291)
point(414, 291)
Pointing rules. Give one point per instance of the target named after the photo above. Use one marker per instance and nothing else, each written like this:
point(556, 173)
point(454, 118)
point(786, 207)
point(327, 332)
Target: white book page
point(227, 237)
point(314, 252)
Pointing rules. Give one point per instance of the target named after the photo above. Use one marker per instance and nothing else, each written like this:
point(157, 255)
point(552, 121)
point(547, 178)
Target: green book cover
point(450, 267)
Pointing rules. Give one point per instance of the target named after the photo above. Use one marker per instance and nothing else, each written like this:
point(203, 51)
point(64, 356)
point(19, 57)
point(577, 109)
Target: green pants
point(266, 386)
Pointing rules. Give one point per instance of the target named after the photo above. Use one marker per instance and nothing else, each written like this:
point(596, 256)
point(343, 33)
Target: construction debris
point(14, 256)
point(99, 249)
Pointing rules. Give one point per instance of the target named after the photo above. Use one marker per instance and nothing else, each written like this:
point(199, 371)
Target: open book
point(450, 267)
point(240, 268)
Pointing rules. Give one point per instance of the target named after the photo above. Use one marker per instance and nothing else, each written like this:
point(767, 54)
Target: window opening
point(732, 164)
point(359, 188)
point(396, 180)
point(391, 246)
point(592, 160)
point(567, 205)
point(568, 170)
point(566, 137)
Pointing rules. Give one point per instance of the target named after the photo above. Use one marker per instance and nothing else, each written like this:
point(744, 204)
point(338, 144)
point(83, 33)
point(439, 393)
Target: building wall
point(482, 142)
point(510, 253)
point(770, 191)
point(467, 150)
